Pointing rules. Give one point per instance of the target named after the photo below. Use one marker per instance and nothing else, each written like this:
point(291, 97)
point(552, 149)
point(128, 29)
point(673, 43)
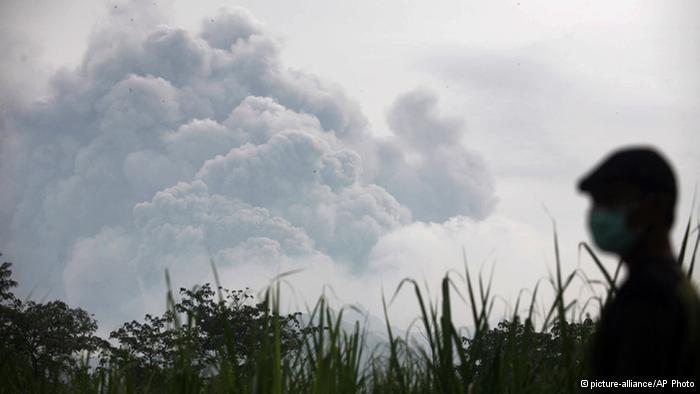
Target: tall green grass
point(431, 356)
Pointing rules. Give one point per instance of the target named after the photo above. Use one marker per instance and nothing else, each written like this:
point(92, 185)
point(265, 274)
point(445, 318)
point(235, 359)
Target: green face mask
point(610, 231)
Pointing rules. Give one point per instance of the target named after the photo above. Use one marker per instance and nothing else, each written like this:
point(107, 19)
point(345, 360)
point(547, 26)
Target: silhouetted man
point(651, 329)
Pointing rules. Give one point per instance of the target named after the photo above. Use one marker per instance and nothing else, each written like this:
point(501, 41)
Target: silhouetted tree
point(206, 328)
point(523, 355)
point(47, 338)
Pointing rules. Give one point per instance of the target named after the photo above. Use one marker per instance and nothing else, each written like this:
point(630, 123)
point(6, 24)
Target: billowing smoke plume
point(446, 178)
point(167, 148)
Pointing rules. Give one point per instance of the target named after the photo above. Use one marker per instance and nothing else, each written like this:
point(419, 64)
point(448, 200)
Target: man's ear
point(663, 205)
point(645, 213)
point(652, 211)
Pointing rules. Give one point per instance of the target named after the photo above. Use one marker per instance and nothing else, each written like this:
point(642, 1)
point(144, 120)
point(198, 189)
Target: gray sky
point(383, 137)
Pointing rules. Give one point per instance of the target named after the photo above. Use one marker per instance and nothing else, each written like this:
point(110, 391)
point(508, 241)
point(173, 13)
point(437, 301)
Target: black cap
point(641, 166)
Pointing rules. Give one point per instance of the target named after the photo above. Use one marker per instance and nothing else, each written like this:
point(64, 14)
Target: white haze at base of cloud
point(168, 148)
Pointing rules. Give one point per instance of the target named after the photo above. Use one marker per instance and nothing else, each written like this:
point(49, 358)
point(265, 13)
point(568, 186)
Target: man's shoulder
point(652, 325)
point(687, 295)
point(654, 281)
point(662, 290)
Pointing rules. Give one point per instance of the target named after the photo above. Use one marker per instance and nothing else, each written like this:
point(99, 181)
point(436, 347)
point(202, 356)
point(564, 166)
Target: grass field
point(524, 353)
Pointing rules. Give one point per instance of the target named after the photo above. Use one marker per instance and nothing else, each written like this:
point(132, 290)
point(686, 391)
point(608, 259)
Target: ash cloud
point(167, 148)
point(426, 167)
